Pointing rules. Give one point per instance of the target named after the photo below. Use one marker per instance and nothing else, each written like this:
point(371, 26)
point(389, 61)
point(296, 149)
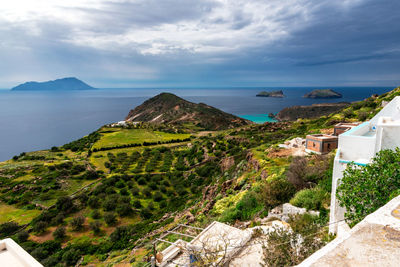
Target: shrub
point(135, 191)
point(40, 227)
point(146, 213)
point(276, 192)
point(96, 214)
point(64, 203)
point(158, 196)
point(94, 202)
point(71, 256)
point(282, 247)
point(8, 228)
point(95, 226)
point(110, 218)
point(22, 236)
point(244, 209)
point(364, 189)
point(77, 223)
point(362, 115)
point(59, 233)
point(124, 209)
point(311, 199)
point(109, 204)
point(137, 204)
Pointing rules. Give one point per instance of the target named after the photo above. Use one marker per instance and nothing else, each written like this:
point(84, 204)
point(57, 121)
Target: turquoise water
point(258, 118)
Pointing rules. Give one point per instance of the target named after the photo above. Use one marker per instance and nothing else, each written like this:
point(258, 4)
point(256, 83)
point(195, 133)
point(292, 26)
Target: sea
point(39, 120)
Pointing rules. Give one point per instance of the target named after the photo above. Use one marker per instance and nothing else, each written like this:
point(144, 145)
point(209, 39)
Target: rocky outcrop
point(285, 211)
point(310, 112)
point(227, 163)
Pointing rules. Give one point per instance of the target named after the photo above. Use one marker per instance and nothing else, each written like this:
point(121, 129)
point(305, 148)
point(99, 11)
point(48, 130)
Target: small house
point(321, 143)
point(343, 127)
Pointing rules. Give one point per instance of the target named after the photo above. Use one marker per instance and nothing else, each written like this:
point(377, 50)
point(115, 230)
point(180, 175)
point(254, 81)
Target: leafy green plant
point(311, 199)
point(364, 189)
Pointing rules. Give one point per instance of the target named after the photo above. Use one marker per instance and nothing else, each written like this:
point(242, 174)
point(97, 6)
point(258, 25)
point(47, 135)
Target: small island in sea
point(278, 93)
point(64, 84)
point(323, 93)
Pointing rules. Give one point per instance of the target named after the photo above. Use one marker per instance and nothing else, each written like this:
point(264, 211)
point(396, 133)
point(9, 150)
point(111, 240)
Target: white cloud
point(219, 26)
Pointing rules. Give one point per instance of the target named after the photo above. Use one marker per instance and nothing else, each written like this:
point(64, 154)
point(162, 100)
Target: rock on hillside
point(323, 93)
point(310, 112)
point(169, 108)
point(65, 84)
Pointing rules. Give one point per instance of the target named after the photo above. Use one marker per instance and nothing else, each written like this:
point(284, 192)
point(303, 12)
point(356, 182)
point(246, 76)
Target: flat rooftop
point(12, 255)
point(375, 241)
point(321, 136)
point(347, 124)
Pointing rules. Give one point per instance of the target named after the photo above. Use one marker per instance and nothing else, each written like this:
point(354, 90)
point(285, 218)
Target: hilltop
point(171, 109)
point(278, 93)
point(64, 84)
point(323, 93)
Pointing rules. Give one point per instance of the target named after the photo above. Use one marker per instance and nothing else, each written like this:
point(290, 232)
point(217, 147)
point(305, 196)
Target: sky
point(201, 43)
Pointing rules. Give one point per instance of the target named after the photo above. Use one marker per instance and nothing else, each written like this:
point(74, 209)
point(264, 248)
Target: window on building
point(329, 146)
point(313, 144)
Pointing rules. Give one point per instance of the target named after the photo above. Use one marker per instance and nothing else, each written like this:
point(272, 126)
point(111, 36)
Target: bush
point(95, 226)
point(146, 213)
point(59, 233)
point(365, 189)
point(311, 199)
point(22, 236)
point(282, 247)
point(158, 197)
point(276, 192)
point(362, 116)
point(40, 227)
point(71, 256)
point(94, 202)
point(64, 203)
point(244, 209)
point(109, 204)
point(8, 228)
point(77, 223)
point(110, 218)
point(124, 209)
point(137, 204)
point(96, 214)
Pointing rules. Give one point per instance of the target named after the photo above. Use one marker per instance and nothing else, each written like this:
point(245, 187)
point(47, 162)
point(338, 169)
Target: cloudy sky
point(200, 43)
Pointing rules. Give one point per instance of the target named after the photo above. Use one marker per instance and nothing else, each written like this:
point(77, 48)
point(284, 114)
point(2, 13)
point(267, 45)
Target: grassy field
point(114, 137)
point(10, 213)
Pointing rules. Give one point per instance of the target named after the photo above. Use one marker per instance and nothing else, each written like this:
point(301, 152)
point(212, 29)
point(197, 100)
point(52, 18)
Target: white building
point(12, 255)
point(360, 145)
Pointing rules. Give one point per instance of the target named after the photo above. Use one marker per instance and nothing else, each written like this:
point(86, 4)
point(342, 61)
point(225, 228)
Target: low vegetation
point(95, 199)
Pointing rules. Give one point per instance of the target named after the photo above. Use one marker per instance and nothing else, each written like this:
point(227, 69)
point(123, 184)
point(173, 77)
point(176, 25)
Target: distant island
point(65, 84)
point(323, 93)
point(278, 93)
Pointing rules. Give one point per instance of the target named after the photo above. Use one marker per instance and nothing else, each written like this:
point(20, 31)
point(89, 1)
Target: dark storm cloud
point(202, 42)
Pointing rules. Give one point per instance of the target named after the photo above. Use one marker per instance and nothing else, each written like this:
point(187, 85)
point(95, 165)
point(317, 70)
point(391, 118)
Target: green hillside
point(104, 198)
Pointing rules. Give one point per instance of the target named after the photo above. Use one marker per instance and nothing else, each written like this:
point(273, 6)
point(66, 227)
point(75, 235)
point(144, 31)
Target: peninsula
point(64, 84)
